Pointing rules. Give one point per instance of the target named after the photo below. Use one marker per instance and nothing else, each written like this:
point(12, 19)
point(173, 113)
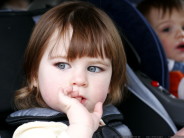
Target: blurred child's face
point(170, 29)
point(88, 77)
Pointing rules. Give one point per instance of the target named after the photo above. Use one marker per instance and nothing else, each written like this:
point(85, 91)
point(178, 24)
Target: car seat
point(143, 113)
point(140, 115)
point(15, 30)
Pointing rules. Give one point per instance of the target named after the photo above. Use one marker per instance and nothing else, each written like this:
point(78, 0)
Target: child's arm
point(82, 123)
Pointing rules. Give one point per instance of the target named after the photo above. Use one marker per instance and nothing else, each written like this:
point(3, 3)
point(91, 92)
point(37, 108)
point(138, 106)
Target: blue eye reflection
point(63, 66)
point(94, 69)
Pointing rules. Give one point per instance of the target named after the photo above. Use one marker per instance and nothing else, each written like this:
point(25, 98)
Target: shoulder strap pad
point(110, 113)
point(35, 114)
point(114, 123)
point(111, 116)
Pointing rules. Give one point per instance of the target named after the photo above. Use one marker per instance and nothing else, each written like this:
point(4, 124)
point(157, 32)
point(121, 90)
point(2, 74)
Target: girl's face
point(170, 29)
point(88, 77)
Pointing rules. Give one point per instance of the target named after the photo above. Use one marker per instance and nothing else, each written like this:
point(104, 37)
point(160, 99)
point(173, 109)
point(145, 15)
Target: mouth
point(180, 47)
point(81, 99)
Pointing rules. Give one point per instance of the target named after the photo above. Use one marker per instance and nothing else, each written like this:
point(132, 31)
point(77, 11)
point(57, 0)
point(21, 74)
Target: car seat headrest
point(132, 56)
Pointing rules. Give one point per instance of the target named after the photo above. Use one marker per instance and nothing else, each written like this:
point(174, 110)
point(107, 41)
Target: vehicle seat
point(15, 30)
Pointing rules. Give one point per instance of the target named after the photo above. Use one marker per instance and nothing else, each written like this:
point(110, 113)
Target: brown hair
point(145, 6)
point(94, 34)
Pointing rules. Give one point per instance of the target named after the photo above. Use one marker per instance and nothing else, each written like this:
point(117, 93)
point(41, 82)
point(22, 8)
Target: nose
point(79, 79)
point(180, 33)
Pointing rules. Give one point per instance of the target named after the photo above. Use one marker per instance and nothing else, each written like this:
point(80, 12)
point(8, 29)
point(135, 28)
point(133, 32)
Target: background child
point(74, 63)
point(167, 19)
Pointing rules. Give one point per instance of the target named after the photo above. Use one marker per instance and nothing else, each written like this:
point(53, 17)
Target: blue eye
point(94, 69)
point(63, 66)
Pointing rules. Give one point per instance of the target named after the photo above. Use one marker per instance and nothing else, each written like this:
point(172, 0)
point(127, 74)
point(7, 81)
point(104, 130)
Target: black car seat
point(140, 115)
point(143, 113)
point(15, 30)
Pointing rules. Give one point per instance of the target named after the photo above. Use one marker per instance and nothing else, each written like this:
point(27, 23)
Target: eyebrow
point(100, 62)
point(164, 22)
point(56, 57)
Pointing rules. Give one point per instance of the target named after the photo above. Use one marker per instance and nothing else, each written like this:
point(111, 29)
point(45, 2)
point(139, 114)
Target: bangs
point(162, 5)
point(90, 36)
point(169, 6)
point(87, 42)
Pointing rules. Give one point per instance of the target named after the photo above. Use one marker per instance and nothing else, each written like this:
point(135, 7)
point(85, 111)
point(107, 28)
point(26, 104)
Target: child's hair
point(164, 6)
point(94, 34)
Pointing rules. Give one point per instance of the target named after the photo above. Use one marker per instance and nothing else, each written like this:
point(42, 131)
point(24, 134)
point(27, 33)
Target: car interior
point(148, 109)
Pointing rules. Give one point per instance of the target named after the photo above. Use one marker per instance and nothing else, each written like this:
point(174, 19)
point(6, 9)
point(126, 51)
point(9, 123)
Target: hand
point(179, 133)
point(82, 122)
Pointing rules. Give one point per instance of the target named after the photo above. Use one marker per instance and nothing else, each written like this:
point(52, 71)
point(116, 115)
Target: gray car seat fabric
point(140, 90)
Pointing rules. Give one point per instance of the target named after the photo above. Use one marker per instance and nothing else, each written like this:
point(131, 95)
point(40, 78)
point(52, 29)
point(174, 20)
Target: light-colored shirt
point(39, 129)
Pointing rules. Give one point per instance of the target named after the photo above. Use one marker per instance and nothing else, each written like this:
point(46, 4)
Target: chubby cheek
point(165, 42)
point(167, 45)
point(98, 95)
point(101, 92)
point(102, 98)
point(103, 88)
point(49, 90)
point(49, 95)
